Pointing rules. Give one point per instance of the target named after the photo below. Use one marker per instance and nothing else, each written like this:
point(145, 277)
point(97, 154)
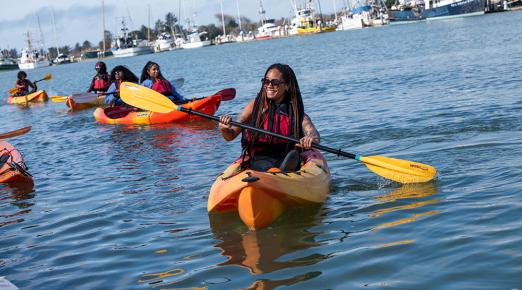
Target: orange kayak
point(128, 115)
point(36, 97)
point(261, 197)
point(12, 166)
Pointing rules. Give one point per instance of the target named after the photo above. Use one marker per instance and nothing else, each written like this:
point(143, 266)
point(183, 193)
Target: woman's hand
point(224, 122)
point(306, 142)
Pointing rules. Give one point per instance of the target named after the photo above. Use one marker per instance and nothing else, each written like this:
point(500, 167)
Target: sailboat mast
point(103, 27)
point(55, 36)
point(148, 28)
point(238, 16)
point(223, 18)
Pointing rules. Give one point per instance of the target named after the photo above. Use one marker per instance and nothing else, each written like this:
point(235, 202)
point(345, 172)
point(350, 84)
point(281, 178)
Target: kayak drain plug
point(250, 178)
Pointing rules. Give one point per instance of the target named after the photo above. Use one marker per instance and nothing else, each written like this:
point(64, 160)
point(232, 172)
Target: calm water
point(116, 207)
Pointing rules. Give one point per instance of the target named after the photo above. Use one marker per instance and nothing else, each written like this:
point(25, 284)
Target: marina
point(139, 204)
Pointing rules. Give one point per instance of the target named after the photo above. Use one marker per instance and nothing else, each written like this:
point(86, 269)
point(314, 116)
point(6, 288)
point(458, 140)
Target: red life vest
point(267, 144)
point(162, 87)
point(25, 89)
point(101, 83)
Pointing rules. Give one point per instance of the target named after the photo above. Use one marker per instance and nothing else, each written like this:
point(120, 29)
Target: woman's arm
point(230, 132)
point(310, 133)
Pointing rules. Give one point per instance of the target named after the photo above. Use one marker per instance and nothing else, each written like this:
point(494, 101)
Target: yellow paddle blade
point(47, 77)
point(145, 98)
point(13, 91)
point(402, 171)
point(59, 99)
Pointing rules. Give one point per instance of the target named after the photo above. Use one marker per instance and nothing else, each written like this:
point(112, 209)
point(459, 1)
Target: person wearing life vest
point(119, 74)
point(101, 81)
point(152, 78)
point(278, 108)
point(23, 85)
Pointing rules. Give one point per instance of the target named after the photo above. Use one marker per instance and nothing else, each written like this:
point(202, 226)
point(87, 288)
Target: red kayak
point(130, 115)
point(12, 166)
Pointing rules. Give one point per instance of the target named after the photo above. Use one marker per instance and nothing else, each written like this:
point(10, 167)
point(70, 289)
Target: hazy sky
point(77, 21)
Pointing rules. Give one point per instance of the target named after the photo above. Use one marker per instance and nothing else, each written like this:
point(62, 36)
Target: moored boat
point(261, 197)
point(36, 97)
point(129, 115)
point(418, 10)
point(7, 63)
point(12, 166)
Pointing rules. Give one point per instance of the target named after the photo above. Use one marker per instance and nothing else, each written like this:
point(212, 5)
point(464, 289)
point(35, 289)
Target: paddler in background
point(23, 85)
point(152, 78)
point(278, 108)
point(119, 74)
point(102, 80)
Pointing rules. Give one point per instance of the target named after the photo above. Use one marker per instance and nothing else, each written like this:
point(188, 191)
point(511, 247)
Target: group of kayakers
point(278, 107)
point(109, 84)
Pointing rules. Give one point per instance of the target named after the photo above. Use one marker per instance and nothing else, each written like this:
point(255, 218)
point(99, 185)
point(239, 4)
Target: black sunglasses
point(273, 82)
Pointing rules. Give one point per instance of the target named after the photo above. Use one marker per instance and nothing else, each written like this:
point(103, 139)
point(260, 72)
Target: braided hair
point(292, 97)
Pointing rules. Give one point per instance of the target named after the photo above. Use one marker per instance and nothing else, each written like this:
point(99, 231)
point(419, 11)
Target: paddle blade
point(14, 133)
point(145, 98)
point(47, 77)
point(178, 83)
point(402, 171)
point(13, 91)
point(227, 94)
point(59, 99)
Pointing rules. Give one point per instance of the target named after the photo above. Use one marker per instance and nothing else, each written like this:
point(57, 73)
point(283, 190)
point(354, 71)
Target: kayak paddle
point(46, 78)
point(89, 97)
point(402, 171)
point(14, 133)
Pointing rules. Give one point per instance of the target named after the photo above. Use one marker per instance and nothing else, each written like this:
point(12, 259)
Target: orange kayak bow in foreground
point(12, 166)
point(261, 197)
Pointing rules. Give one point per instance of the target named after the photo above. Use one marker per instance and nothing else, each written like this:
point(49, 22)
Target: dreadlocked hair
point(292, 97)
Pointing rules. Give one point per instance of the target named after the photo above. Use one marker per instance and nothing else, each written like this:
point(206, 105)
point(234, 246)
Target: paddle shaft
point(241, 125)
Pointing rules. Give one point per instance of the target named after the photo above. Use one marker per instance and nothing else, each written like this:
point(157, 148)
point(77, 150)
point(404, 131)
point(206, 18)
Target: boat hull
point(32, 65)
point(129, 116)
point(456, 9)
point(132, 51)
point(14, 169)
point(36, 97)
point(196, 44)
point(261, 197)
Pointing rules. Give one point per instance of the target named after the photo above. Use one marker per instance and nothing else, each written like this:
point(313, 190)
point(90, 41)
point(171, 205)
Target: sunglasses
point(274, 82)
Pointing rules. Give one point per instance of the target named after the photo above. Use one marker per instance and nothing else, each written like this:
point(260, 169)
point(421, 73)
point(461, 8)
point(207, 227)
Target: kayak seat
point(292, 162)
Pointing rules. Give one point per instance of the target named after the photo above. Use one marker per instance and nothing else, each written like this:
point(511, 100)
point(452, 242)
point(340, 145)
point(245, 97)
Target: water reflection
point(394, 202)
point(263, 251)
point(19, 195)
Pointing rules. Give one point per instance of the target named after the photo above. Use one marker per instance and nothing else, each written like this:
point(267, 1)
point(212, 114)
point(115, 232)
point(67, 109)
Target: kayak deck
point(261, 197)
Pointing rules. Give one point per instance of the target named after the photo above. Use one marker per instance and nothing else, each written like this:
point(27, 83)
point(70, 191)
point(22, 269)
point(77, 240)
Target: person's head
point(151, 70)
point(100, 67)
point(279, 84)
point(21, 75)
point(124, 74)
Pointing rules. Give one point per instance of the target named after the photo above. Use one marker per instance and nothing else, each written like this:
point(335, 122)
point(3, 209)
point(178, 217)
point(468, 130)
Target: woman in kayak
point(278, 108)
point(101, 81)
point(23, 84)
point(152, 78)
point(119, 74)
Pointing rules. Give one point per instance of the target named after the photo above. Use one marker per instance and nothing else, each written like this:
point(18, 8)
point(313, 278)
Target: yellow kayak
point(261, 197)
point(38, 96)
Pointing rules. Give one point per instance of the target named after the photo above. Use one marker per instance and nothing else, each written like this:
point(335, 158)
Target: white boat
point(31, 59)
point(164, 42)
point(125, 47)
point(194, 41)
point(267, 29)
point(62, 59)
point(7, 63)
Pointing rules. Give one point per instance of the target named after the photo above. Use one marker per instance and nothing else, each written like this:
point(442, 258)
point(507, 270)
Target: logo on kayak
point(419, 167)
point(144, 114)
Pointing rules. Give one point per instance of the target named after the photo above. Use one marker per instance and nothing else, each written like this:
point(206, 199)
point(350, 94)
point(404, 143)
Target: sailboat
point(194, 38)
point(31, 58)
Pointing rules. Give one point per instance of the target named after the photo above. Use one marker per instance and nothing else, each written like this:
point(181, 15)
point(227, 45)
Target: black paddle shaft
point(338, 152)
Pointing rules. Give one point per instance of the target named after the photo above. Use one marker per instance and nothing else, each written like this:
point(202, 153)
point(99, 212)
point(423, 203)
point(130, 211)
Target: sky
point(76, 21)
